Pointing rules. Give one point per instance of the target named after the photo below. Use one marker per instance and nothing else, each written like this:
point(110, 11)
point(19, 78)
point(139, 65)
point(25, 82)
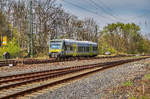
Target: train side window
point(94, 48)
point(67, 47)
point(64, 46)
point(71, 48)
point(82, 49)
point(79, 49)
point(87, 49)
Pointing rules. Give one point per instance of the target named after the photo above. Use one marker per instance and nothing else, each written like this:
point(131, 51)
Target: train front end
point(55, 49)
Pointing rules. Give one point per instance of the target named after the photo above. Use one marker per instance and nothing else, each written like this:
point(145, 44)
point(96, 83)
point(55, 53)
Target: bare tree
point(50, 21)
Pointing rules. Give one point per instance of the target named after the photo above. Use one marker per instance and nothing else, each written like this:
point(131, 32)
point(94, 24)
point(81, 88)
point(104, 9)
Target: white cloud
point(109, 11)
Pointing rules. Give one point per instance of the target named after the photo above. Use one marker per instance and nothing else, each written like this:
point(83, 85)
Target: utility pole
point(1, 38)
point(55, 29)
point(31, 31)
point(96, 33)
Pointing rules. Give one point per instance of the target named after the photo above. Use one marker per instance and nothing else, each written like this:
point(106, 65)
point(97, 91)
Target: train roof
point(75, 41)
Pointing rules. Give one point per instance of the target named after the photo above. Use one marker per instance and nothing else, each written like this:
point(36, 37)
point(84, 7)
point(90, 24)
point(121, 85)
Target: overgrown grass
point(127, 83)
point(140, 97)
point(147, 76)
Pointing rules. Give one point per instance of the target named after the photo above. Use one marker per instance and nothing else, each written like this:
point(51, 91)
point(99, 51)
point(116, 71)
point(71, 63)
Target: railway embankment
point(98, 85)
point(19, 69)
point(79, 79)
point(137, 87)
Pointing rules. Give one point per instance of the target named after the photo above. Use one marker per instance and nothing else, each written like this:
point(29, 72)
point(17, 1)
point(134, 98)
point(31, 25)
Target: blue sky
point(109, 11)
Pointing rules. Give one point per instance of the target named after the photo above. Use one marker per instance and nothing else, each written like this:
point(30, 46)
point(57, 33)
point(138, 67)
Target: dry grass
point(138, 88)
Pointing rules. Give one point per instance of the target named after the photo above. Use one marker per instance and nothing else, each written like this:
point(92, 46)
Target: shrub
point(12, 47)
point(104, 47)
point(147, 76)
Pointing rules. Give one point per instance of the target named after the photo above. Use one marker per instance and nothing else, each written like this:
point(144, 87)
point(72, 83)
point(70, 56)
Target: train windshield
point(55, 45)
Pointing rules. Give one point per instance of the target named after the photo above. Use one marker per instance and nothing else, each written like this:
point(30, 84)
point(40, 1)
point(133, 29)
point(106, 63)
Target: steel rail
point(104, 66)
point(40, 61)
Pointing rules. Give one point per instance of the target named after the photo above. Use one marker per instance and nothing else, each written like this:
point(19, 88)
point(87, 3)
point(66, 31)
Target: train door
point(64, 48)
point(74, 49)
point(91, 50)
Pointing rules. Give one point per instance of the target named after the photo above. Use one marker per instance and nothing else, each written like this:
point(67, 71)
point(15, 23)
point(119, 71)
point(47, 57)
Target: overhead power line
point(107, 7)
point(104, 10)
point(95, 13)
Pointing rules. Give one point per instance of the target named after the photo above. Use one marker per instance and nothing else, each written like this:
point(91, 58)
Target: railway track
point(26, 61)
point(41, 61)
point(19, 85)
point(7, 62)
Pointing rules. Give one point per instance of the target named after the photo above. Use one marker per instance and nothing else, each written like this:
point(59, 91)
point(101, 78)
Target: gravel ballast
point(5, 71)
point(94, 86)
